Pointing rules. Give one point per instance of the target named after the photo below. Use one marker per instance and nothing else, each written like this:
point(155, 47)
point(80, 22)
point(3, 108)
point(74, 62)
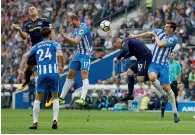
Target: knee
point(70, 75)
point(140, 79)
point(84, 74)
point(167, 87)
point(152, 78)
point(130, 72)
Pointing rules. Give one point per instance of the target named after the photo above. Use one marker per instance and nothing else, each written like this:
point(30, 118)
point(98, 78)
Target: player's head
point(32, 11)
point(117, 43)
point(170, 27)
point(73, 21)
point(172, 56)
point(46, 32)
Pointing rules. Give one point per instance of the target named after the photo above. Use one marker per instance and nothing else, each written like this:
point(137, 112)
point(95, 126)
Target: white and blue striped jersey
point(161, 54)
point(85, 45)
point(46, 56)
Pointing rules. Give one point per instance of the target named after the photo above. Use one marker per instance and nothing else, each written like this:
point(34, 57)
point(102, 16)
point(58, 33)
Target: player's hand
point(131, 36)
point(115, 60)
point(62, 33)
point(15, 26)
point(122, 59)
point(60, 69)
point(152, 34)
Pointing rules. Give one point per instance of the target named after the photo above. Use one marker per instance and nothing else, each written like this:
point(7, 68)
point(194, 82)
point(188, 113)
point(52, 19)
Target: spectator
point(154, 103)
point(112, 100)
point(103, 101)
point(108, 42)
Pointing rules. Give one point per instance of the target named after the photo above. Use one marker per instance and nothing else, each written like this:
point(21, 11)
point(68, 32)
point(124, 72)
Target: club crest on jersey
point(81, 32)
point(170, 40)
point(39, 23)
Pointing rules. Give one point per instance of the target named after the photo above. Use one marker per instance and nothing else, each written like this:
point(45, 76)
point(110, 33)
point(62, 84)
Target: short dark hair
point(74, 17)
point(45, 32)
point(173, 24)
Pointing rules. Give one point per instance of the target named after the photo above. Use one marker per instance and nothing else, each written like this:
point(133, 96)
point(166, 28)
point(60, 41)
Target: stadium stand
point(92, 12)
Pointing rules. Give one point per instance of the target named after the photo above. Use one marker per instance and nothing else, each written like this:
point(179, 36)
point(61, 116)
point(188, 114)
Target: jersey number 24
point(44, 55)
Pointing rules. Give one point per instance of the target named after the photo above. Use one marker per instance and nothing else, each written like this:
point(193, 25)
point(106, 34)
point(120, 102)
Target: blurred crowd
point(57, 12)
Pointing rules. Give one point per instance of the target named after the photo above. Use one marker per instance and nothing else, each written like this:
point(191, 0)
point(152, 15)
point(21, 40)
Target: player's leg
point(130, 81)
point(153, 71)
point(165, 81)
point(55, 109)
point(74, 66)
point(41, 86)
point(28, 72)
point(85, 66)
point(36, 110)
point(175, 91)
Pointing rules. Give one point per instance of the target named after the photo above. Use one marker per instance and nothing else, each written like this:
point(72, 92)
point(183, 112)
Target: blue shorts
point(162, 70)
point(47, 82)
point(80, 62)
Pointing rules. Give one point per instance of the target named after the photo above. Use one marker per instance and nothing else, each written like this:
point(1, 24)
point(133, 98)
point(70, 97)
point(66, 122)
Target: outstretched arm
point(143, 35)
point(23, 34)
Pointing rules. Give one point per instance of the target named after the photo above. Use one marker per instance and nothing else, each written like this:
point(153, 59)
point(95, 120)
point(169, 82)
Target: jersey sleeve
point(32, 50)
point(25, 28)
point(157, 30)
point(82, 31)
point(57, 46)
point(171, 41)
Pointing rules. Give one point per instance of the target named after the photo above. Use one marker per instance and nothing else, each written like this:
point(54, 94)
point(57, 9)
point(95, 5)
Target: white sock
point(36, 110)
point(55, 109)
point(85, 88)
point(157, 85)
point(66, 87)
point(172, 100)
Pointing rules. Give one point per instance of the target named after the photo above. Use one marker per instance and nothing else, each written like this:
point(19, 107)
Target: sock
point(162, 111)
point(36, 110)
point(157, 85)
point(85, 89)
point(66, 87)
point(172, 100)
point(27, 75)
point(55, 109)
point(130, 85)
point(176, 105)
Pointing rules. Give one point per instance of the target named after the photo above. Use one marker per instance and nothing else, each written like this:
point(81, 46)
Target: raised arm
point(23, 34)
point(142, 35)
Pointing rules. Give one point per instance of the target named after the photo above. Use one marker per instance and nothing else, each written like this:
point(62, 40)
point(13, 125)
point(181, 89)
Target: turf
point(84, 121)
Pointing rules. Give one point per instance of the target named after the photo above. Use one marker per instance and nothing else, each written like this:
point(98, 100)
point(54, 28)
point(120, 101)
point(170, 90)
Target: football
point(105, 25)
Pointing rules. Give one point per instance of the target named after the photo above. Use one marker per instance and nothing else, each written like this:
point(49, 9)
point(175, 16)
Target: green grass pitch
point(92, 122)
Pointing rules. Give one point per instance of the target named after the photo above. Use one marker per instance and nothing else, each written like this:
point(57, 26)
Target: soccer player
point(134, 47)
point(33, 28)
point(165, 41)
point(175, 76)
point(81, 37)
point(46, 53)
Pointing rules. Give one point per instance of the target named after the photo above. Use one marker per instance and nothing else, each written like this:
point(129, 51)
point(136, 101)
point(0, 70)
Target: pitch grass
point(92, 121)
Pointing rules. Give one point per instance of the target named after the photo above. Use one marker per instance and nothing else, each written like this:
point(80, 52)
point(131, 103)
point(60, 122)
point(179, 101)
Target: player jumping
point(33, 28)
point(81, 61)
point(165, 43)
point(46, 53)
point(134, 47)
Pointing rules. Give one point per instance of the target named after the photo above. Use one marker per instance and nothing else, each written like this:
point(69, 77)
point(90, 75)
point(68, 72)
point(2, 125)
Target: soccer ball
point(105, 25)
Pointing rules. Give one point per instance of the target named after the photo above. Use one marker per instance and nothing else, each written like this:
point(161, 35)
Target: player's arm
point(128, 55)
point(143, 35)
point(167, 43)
point(24, 59)
point(61, 58)
point(23, 34)
point(71, 40)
